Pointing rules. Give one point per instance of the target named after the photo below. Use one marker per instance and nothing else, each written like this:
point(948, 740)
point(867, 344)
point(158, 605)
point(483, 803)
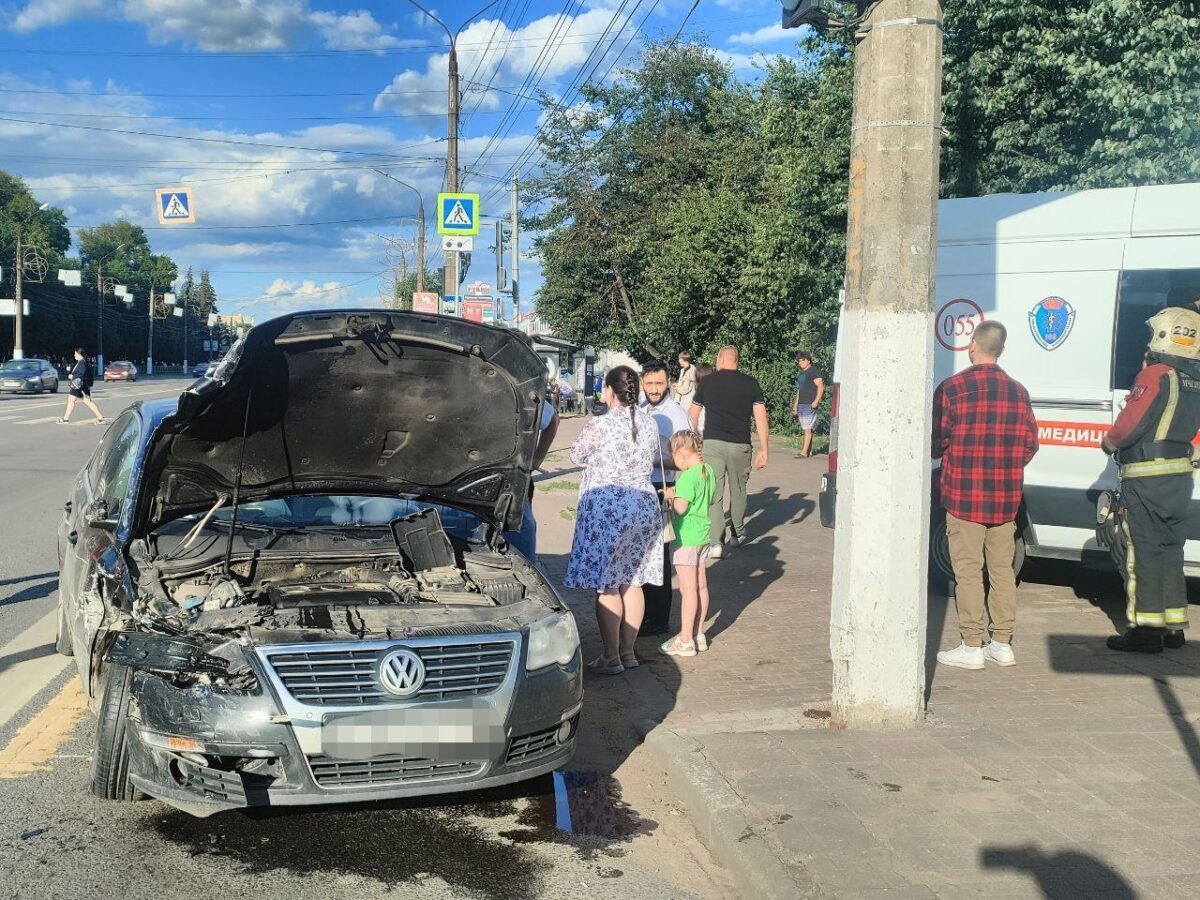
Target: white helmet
point(1175, 332)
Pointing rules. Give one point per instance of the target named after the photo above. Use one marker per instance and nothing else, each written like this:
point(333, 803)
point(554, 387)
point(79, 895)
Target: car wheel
point(54, 389)
point(110, 761)
point(62, 639)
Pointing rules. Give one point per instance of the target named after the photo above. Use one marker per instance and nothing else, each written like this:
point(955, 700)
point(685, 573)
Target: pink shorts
point(690, 556)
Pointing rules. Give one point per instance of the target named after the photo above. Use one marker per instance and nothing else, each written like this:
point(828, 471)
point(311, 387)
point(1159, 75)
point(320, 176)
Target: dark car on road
point(201, 369)
point(120, 370)
point(28, 376)
point(291, 585)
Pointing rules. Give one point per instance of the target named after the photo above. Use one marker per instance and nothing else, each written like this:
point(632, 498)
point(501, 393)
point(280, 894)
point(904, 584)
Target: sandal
point(603, 665)
point(62, 421)
point(701, 643)
point(100, 421)
point(629, 660)
point(676, 647)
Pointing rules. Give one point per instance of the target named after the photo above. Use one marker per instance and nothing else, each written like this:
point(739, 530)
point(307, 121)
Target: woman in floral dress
point(618, 543)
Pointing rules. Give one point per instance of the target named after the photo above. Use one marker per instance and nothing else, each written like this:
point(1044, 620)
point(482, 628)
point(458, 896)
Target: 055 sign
point(956, 322)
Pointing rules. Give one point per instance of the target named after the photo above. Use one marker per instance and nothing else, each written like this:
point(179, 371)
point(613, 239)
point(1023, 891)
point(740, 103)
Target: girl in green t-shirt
point(690, 497)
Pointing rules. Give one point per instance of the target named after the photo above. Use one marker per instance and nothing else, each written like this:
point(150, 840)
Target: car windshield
point(342, 511)
point(18, 365)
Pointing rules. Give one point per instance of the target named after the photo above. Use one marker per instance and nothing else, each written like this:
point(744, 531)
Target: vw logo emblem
point(402, 673)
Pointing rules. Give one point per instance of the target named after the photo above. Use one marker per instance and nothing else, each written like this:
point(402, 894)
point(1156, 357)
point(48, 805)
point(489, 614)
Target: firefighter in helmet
point(1152, 441)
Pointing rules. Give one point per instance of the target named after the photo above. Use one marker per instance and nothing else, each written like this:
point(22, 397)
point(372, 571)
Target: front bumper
point(22, 388)
point(268, 749)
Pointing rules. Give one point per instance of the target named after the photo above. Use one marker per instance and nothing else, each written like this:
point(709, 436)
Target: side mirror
point(96, 515)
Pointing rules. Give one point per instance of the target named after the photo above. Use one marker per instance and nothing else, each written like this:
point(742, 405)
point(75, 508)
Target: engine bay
point(420, 569)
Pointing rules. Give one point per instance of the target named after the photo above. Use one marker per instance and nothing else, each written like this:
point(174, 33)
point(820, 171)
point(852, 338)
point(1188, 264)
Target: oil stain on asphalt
point(441, 837)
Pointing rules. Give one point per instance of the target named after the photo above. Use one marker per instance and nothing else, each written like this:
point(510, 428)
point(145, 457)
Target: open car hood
point(373, 402)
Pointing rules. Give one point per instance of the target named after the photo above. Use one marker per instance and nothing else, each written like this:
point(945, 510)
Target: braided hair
point(692, 441)
point(626, 387)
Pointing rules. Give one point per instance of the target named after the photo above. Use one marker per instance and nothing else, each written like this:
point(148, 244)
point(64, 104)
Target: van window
point(1143, 293)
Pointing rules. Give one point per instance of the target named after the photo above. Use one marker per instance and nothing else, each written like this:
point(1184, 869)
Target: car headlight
point(554, 639)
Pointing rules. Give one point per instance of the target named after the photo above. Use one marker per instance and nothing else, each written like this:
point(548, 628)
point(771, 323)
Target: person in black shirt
point(810, 391)
point(728, 400)
point(81, 379)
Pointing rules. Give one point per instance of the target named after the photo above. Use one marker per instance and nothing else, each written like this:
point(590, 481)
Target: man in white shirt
point(669, 417)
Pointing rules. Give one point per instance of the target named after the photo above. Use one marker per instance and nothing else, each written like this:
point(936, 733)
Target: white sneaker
point(715, 551)
point(1000, 654)
point(962, 657)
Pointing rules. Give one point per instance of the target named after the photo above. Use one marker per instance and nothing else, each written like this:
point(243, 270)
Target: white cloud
point(482, 58)
point(238, 250)
point(46, 13)
point(283, 293)
point(768, 34)
point(240, 25)
point(356, 30)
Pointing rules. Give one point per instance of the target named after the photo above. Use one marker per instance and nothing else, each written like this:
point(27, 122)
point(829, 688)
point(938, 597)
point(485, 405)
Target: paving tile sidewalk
point(1074, 774)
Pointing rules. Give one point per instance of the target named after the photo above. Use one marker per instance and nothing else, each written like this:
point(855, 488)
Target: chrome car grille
point(337, 676)
point(386, 770)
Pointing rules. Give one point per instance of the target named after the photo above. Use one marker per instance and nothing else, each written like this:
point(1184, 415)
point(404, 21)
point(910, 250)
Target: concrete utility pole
point(150, 333)
point(515, 265)
point(453, 102)
point(877, 626)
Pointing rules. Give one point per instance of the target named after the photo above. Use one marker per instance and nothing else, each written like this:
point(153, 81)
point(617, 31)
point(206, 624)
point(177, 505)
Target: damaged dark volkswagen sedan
point(292, 586)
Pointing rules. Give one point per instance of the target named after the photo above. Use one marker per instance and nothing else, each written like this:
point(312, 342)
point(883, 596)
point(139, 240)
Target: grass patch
point(796, 441)
point(568, 513)
point(558, 486)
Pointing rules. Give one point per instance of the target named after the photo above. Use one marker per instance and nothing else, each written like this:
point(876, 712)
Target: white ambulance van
point(1073, 277)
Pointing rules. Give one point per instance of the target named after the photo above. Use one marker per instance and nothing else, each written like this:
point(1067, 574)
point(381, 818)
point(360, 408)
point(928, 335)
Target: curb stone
point(718, 812)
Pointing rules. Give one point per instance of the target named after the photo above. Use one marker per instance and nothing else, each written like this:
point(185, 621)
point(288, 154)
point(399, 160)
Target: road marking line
point(35, 744)
point(21, 681)
point(37, 421)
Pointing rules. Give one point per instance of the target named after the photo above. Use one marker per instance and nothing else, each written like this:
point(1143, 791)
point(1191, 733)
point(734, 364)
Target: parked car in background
point(120, 370)
point(265, 610)
point(203, 369)
point(28, 376)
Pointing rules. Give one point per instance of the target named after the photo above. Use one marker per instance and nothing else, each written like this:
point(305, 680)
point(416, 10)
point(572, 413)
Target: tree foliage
point(1061, 94)
point(114, 253)
point(684, 209)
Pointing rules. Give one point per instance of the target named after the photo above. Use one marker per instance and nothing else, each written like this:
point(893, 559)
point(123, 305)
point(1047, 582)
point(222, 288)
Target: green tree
point(1063, 94)
point(404, 284)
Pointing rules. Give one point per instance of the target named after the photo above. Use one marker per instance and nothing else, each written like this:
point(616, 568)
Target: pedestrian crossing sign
point(458, 214)
point(174, 206)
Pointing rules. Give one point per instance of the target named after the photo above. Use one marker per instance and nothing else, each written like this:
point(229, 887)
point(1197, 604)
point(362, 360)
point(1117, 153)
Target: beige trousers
point(971, 545)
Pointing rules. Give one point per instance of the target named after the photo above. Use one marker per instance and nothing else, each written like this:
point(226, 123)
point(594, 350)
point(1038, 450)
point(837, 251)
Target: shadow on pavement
point(1069, 875)
point(33, 592)
point(1074, 653)
point(4, 582)
point(766, 510)
point(7, 662)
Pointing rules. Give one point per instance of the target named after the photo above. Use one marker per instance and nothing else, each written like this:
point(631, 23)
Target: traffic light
point(798, 13)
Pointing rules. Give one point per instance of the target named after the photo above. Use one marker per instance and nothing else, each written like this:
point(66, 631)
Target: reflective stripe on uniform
point(1131, 574)
point(1177, 616)
point(1180, 466)
point(1168, 416)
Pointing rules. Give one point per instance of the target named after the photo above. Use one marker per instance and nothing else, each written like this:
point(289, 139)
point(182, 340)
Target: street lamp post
point(452, 108)
point(18, 290)
point(101, 288)
point(420, 227)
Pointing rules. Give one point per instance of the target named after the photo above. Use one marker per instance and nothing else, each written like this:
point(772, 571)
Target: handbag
point(76, 384)
point(668, 530)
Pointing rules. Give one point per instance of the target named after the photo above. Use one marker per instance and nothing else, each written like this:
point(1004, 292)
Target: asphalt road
point(57, 840)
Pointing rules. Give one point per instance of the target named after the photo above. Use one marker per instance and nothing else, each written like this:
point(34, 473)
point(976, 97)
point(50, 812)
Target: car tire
point(62, 638)
point(54, 390)
point(110, 760)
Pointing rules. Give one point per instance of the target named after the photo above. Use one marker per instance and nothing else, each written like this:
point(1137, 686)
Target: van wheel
point(110, 760)
point(941, 569)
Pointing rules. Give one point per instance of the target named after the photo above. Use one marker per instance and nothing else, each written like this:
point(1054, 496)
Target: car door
point(93, 562)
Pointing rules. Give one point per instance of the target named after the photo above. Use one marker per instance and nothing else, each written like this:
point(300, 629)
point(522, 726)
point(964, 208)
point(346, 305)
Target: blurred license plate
point(12, 384)
point(425, 733)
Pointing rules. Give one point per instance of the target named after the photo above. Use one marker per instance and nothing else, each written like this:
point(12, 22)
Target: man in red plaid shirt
point(985, 433)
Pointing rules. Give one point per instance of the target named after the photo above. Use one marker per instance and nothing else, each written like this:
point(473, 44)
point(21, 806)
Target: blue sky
point(287, 106)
